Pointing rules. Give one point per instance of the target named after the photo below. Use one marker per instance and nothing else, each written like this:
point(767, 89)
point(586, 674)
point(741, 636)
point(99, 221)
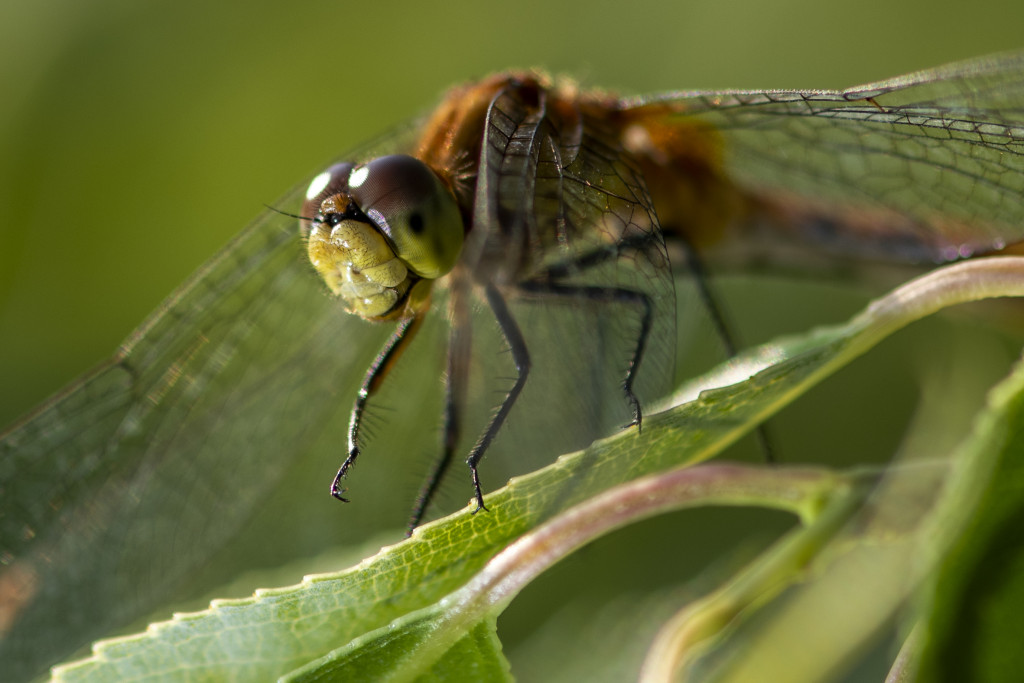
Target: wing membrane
point(564, 223)
point(120, 488)
point(938, 155)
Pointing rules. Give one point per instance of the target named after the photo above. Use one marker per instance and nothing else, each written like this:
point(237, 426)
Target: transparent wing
point(120, 489)
point(925, 166)
point(564, 224)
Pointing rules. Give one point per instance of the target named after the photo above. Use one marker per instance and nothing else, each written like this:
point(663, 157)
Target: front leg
point(379, 369)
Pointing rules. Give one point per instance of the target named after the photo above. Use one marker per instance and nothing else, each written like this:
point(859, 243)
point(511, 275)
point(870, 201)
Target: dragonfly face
point(379, 229)
point(557, 210)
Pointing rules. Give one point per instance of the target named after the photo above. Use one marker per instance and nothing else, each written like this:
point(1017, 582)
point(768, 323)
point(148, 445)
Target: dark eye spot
point(416, 223)
point(333, 219)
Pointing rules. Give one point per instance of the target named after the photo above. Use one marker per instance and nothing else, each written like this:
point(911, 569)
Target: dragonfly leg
point(521, 358)
point(375, 376)
point(547, 283)
point(607, 295)
point(458, 355)
point(722, 328)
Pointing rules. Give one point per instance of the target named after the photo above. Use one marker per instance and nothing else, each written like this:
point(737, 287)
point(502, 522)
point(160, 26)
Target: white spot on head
point(379, 220)
point(318, 184)
point(358, 176)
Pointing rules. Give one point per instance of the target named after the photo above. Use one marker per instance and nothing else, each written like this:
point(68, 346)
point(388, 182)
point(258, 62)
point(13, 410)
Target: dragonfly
point(524, 213)
point(521, 187)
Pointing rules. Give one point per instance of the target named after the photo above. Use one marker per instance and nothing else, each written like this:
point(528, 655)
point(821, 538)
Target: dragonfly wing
point(563, 221)
point(928, 166)
point(116, 491)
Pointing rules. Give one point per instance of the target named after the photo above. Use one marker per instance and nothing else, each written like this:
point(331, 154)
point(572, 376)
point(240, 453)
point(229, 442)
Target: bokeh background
point(136, 138)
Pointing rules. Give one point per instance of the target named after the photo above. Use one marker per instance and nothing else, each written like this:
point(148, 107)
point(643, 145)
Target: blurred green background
point(137, 137)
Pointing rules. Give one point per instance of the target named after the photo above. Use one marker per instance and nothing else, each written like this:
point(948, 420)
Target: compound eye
point(331, 182)
point(413, 208)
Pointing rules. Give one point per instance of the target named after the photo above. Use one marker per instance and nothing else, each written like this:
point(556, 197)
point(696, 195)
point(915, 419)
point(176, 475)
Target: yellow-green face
point(375, 229)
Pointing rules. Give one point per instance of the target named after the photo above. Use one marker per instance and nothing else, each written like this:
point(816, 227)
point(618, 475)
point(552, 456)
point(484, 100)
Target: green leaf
point(974, 628)
point(283, 629)
point(960, 516)
point(476, 656)
point(410, 647)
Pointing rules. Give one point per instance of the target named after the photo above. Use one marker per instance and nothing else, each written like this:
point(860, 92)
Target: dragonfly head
point(378, 228)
